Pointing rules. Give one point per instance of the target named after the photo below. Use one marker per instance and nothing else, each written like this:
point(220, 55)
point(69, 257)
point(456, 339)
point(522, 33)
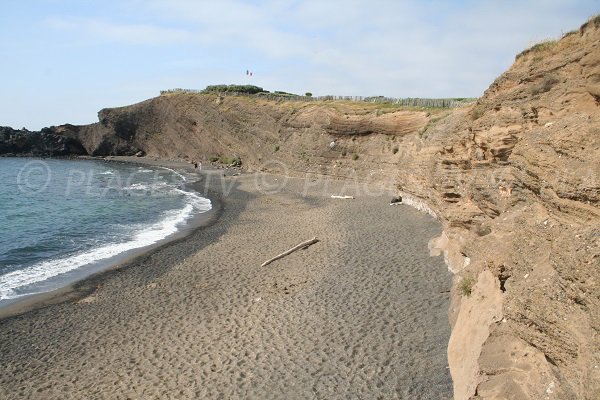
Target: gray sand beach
point(362, 314)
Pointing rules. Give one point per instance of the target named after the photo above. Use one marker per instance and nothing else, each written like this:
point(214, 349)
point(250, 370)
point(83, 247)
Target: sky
point(64, 60)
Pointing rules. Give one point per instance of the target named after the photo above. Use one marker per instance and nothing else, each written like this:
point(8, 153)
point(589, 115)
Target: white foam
point(199, 202)
point(106, 173)
point(417, 203)
point(11, 283)
point(175, 172)
point(147, 187)
point(140, 186)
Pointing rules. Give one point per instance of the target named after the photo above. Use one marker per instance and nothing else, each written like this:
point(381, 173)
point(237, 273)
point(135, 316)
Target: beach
point(360, 314)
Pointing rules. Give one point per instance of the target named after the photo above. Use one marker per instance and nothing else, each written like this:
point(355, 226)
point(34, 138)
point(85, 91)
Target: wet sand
point(362, 314)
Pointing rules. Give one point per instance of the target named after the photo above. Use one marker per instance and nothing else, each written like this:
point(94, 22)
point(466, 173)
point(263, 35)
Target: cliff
point(43, 143)
point(514, 179)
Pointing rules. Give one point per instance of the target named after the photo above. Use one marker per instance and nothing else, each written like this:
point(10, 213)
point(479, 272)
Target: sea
point(61, 220)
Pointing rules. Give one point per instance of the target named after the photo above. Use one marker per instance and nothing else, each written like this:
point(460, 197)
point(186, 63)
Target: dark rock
point(47, 142)
point(396, 200)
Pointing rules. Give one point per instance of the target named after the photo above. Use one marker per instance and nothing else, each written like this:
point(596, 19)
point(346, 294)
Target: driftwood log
point(333, 196)
point(285, 253)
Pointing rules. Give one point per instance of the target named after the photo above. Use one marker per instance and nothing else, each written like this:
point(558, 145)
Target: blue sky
point(62, 61)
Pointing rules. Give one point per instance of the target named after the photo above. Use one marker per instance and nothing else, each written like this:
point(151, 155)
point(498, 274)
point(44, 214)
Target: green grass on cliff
point(538, 48)
point(234, 161)
point(594, 21)
point(549, 44)
point(466, 285)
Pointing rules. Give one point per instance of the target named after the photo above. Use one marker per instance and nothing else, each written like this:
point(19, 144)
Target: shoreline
point(363, 311)
point(80, 287)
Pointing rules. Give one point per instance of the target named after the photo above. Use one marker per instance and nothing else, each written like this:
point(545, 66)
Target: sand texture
point(362, 314)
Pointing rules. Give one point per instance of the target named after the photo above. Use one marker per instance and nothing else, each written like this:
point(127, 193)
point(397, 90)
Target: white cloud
point(427, 48)
point(398, 47)
point(137, 34)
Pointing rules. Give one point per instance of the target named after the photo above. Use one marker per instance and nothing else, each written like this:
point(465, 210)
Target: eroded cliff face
point(515, 180)
point(357, 140)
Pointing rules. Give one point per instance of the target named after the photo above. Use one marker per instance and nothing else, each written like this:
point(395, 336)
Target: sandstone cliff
point(515, 180)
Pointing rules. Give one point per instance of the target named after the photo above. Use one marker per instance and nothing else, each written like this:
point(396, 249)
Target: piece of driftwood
point(333, 196)
point(285, 253)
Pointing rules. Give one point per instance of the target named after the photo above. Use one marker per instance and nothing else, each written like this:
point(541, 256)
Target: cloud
point(399, 48)
point(427, 48)
point(136, 34)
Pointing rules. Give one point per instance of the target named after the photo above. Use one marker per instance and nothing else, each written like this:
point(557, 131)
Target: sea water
point(61, 217)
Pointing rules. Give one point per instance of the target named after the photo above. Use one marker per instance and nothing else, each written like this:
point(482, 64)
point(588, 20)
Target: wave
point(147, 186)
point(199, 202)
point(16, 283)
point(183, 178)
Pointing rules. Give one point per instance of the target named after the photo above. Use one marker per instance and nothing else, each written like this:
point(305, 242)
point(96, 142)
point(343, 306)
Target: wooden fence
point(404, 102)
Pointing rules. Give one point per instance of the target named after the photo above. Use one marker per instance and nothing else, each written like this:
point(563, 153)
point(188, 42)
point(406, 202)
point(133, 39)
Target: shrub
point(545, 85)
point(276, 148)
point(466, 285)
point(249, 89)
point(284, 94)
point(308, 94)
point(344, 153)
point(570, 33)
point(595, 21)
point(395, 150)
point(234, 161)
point(477, 113)
point(354, 156)
point(538, 47)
